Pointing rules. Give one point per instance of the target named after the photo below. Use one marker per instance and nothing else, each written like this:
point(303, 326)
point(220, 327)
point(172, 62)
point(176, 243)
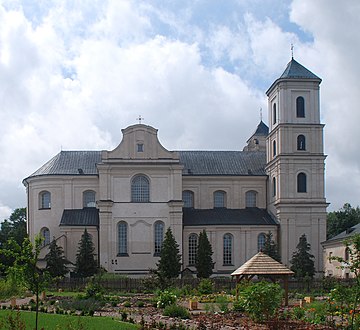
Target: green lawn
point(63, 322)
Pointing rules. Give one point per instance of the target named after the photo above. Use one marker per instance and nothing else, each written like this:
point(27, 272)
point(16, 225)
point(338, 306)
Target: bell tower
point(295, 161)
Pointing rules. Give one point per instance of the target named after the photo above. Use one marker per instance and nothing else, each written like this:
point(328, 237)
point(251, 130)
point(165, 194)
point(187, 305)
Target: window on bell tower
point(301, 183)
point(274, 113)
point(301, 142)
point(300, 107)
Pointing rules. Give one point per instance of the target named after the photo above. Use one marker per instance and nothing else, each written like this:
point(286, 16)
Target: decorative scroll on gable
point(140, 142)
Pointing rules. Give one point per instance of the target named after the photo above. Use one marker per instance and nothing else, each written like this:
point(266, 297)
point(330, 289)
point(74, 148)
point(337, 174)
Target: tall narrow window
point(227, 249)
point(274, 186)
point(347, 254)
point(122, 239)
point(89, 198)
point(250, 198)
point(188, 198)
point(140, 189)
point(45, 234)
point(261, 241)
point(300, 107)
point(301, 183)
point(274, 113)
point(301, 142)
point(45, 200)
point(219, 198)
point(193, 243)
point(274, 148)
point(158, 237)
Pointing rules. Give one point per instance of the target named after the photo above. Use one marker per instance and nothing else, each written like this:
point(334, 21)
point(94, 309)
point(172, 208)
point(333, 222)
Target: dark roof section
point(195, 163)
point(262, 129)
point(71, 163)
point(295, 70)
point(223, 162)
point(345, 234)
point(80, 217)
point(223, 216)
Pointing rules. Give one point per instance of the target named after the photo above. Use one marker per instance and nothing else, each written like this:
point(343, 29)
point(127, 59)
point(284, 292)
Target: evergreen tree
point(169, 265)
point(270, 247)
point(302, 261)
point(56, 261)
point(86, 265)
point(204, 263)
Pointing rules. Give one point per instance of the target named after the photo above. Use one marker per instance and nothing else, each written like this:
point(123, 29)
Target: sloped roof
point(262, 129)
point(194, 162)
point(224, 216)
point(223, 162)
point(345, 234)
point(262, 264)
point(80, 217)
point(297, 71)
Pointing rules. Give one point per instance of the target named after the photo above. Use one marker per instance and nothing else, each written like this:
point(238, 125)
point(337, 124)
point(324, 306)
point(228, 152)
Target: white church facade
point(127, 198)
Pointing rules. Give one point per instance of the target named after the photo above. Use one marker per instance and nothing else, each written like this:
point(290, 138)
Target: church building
point(126, 198)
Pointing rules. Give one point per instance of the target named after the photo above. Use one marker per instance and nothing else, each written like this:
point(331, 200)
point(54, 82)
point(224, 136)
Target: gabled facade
point(128, 197)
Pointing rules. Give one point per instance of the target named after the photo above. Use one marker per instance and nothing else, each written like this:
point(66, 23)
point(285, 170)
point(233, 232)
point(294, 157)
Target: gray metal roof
point(80, 217)
point(71, 163)
point(224, 216)
point(262, 129)
point(345, 234)
point(195, 163)
point(223, 162)
point(295, 70)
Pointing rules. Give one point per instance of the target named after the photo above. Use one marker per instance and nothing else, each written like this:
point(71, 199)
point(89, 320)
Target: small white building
point(129, 196)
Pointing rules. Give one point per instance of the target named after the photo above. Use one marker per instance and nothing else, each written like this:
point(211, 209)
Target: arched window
point(250, 198)
point(45, 234)
point(45, 200)
point(158, 237)
point(274, 186)
point(347, 254)
point(300, 107)
point(89, 198)
point(301, 142)
point(193, 244)
point(140, 189)
point(227, 249)
point(274, 113)
point(301, 183)
point(261, 241)
point(274, 148)
point(219, 198)
point(122, 238)
point(188, 198)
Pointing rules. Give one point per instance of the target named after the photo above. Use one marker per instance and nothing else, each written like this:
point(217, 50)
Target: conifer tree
point(86, 264)
point(270, 247)
point(169, 265)
point(204, 263)
point(56, 261)
point(302, 261)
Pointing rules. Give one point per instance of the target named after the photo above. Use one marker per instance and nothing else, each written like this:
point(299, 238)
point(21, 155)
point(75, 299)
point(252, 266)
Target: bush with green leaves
point(205, 286)
point(166, 298)
point(176, 311)
point(261, 300)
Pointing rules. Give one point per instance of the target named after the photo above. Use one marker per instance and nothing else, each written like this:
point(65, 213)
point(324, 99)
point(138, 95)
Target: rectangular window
point(140, 147)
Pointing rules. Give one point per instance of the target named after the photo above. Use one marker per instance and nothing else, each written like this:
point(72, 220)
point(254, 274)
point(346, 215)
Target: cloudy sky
point(74, 73)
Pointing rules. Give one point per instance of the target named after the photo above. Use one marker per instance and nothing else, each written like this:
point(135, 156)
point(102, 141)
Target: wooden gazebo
point(263, 265)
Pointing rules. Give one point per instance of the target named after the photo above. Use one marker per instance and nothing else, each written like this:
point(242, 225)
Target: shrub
point(298, 313)
point(166, 298)
point(81, 304)
point(127, 304)
point(261, 300)
point(222, 302)
point(176, 311)
point(205, 286)
point(140, 304)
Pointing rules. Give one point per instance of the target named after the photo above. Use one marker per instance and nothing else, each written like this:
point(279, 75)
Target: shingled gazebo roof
point(262, 264)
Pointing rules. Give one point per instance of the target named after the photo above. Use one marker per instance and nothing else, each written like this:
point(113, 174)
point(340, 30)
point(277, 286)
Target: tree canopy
point(169, 265)
point(344, 218)
point(302, 260)
point(204, 263)
point(270, 247)
point(56, 261)
point(86, 264)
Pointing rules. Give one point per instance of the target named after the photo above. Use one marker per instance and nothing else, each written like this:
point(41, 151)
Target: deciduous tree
point(204, 263)
point(339, 221)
